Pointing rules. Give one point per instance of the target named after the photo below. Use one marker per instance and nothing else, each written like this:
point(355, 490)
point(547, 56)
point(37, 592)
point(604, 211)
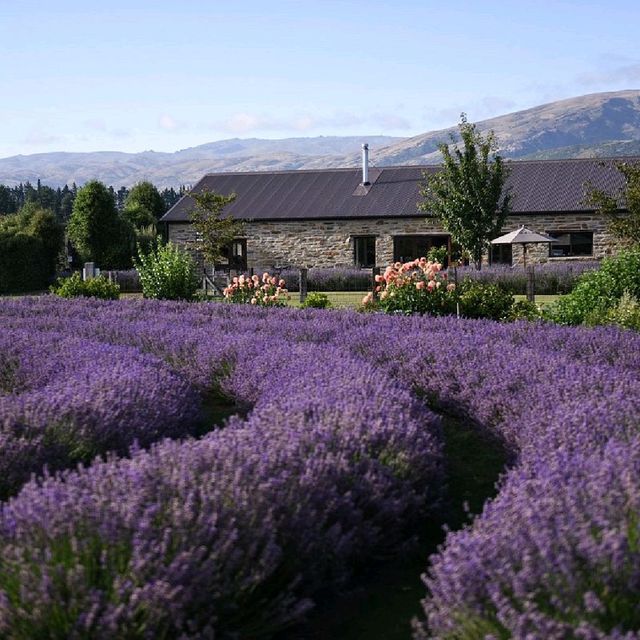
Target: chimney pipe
point(365, 164)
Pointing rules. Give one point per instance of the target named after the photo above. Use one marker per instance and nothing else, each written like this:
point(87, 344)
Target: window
point(406, 248)
point(234, 256)
point(501, 254)
point(364, 251)
point(571, 243)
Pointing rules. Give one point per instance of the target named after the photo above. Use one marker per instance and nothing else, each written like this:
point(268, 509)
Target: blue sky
point(135, 75)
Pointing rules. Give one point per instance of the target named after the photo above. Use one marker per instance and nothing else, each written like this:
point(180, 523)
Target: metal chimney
point(365, 164)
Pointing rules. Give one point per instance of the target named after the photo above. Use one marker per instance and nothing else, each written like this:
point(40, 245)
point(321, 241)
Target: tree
point(214, 233)
point(96, 231)
point(622, 211)
point(144, 197)
point(468, 194)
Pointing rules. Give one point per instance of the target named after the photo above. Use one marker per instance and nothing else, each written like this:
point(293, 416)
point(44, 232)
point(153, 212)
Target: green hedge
point(24, 263)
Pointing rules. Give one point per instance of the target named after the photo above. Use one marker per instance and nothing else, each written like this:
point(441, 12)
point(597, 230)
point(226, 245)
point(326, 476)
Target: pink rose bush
point(418, 286)
point(268, 291)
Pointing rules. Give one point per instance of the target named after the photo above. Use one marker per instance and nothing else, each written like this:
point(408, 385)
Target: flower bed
point(333, 464)
point(233, 533)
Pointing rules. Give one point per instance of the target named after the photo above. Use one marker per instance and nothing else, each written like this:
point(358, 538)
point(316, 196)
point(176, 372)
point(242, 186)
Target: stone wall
point(329, 243)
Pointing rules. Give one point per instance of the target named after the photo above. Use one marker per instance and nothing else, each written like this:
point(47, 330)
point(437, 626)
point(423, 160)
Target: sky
point(134, 75)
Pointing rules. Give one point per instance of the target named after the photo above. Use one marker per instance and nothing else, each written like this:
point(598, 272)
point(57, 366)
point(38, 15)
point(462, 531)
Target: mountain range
point(595, 125)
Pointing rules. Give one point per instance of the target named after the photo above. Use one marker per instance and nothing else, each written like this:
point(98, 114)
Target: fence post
point(303, 283)
point(531, 283)
point(89, 271)
point(374, 272)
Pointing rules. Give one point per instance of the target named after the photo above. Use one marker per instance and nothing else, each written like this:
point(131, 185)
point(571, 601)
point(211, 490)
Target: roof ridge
point(415, 166)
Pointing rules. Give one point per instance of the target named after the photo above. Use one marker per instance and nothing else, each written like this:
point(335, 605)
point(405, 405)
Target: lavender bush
point(551, 278)
point(230, 535)
point(233, 534)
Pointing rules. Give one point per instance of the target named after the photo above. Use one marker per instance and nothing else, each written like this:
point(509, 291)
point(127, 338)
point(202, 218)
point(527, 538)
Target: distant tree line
point(60, 200)
point(41, 227)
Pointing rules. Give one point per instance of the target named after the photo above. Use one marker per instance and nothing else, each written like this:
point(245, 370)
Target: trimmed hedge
point(23, 263)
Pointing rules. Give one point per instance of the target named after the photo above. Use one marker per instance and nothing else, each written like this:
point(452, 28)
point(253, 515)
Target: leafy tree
point(145, 197)
point(622, 210)
point(96, 231)
point(214, 233)
point(31, 242)
point(468, 193)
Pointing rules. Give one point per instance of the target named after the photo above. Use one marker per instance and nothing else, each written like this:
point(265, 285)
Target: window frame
point(568, 232)
point(367, 264)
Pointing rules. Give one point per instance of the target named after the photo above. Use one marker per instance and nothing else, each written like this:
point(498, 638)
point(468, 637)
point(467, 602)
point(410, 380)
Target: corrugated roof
point(537, 186)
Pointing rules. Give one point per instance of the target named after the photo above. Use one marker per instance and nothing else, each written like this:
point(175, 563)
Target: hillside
point(595, 125)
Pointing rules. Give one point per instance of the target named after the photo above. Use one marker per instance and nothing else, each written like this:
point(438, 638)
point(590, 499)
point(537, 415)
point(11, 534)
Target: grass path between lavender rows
point(384, 600)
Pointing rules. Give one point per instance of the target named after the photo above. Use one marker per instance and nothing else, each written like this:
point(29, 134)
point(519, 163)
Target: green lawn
point(541, 300)
point(354, 298)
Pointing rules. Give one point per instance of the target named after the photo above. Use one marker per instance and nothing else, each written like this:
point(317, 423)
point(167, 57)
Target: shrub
point(480, 300)
point(599, 291)
point(167, 273)
point(23, 264)
point(524, 310)
point(625, 314)
point(414, 287)
point(267, 291)
point(75, 287)
point(30, 243)
point(316, 301)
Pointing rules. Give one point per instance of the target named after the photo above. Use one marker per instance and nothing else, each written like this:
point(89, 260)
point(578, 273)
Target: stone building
point(369, 217)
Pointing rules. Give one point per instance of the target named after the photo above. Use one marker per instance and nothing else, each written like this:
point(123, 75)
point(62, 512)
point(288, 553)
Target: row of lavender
point(555, 555)
point(226, 536)
point(551, 278)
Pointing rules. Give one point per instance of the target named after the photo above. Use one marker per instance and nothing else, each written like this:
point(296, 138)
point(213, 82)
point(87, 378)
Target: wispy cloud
point(169, 123)
point(245, 123)
point(628, 73)
point(40, 137)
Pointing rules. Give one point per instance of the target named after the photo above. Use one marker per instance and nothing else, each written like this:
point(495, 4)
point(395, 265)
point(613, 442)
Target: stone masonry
point(329, 243)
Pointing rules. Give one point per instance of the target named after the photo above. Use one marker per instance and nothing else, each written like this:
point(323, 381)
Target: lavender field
point(144, 523)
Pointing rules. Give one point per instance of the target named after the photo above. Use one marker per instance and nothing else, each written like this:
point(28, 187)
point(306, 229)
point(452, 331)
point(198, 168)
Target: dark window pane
point(571, 243)
point(406, 248)
point(364, 251)
point(501, 254)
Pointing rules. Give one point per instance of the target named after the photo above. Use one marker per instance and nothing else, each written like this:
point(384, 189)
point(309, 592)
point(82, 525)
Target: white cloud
point(169, 123)
point(628, 73)
point(246, 123)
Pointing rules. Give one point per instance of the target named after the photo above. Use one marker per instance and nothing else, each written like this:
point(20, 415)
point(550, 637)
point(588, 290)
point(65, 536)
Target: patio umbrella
point(525, 237)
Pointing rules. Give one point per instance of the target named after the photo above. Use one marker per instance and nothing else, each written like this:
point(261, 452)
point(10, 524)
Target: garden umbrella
point(525, 237)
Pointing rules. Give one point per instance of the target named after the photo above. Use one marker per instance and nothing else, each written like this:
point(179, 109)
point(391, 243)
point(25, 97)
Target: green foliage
point(139, 217)
point(23, 263)
point(626, 313)
point(76, 287)
point(467, 195)
point(524, 310)
point(96, 230)
point(147, 203)
point(438, 254)
point(167, 273)
point(623, 225)
point(598, 291)
point(482, 300)
point(316, 300)
point(31, 242)
point(214, 232)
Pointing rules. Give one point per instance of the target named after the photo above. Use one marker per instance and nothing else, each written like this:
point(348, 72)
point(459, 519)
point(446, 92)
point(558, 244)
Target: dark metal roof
point(537, 186)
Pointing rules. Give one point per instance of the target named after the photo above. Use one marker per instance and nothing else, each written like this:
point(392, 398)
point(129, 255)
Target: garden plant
point(334, 459)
